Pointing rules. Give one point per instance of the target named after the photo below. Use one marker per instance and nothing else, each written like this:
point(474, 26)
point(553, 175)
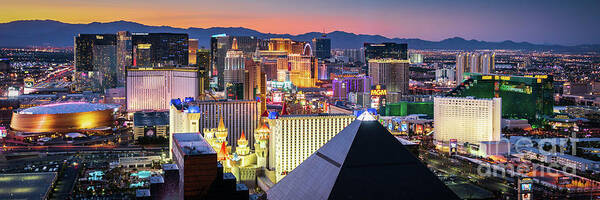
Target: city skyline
point(281, 99)
point(542, 22)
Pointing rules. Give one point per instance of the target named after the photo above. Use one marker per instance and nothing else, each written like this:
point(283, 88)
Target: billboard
point(378, 90)
point(3, 132)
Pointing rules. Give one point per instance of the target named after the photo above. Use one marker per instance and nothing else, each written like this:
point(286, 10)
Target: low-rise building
point(150, 124)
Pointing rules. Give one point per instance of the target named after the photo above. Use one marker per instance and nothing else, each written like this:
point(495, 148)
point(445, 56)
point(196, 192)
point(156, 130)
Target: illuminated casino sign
point(29, 82)
point(516, 88)
point(3, 132)
point(378, 90)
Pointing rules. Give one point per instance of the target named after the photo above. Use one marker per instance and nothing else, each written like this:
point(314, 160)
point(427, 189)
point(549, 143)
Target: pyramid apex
point(366, 116)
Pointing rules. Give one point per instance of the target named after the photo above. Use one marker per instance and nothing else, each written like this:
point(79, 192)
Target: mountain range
point(28, 33)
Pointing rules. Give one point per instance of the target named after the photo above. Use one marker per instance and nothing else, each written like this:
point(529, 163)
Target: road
point(65, 183)
point(499, 186)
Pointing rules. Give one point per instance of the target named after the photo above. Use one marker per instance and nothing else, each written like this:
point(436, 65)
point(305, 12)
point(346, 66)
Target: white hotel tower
point(295, 137)
point(466, 119)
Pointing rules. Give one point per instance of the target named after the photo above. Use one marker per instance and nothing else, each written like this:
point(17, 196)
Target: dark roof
point(364, 161)
point(37, 185)
point(151, 119)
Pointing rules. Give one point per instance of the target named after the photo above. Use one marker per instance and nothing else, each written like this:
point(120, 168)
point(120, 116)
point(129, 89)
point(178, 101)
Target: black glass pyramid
point(364, 161)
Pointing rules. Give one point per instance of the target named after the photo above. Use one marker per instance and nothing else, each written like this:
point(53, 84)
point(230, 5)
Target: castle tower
point(242, 148)
point(221, 132)
point(261, 145)
point(223, 154)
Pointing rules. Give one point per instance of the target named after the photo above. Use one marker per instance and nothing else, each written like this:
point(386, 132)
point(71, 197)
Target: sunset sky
point(539, 21)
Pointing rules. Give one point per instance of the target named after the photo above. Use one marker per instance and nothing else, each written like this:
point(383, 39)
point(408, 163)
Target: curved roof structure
point(69, 107)
point(63, 117)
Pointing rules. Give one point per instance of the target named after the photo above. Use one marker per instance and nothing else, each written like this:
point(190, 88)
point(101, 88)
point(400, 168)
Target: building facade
point(474, 63)
point(197, 165)
point(124, 56)
point(194, 116)
point(153, 88)
point(234, 65)
point(192, 51)
point(220, 44)
point(466, 119)
point(303, 70)
point(95, 61)
point(295, 137)
point(528, 97)
point(393, 74)
point(386, 51)
point(321, 48)
point(343, 86)
point(160, 50)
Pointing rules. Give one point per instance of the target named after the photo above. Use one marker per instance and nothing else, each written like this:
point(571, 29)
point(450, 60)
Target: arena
point(63, 117)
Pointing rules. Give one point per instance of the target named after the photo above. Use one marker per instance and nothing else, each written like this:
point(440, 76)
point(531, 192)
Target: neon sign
point(378, 91)
point(513, 88)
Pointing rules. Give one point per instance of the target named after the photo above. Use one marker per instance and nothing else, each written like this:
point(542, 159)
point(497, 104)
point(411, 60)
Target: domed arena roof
point(69, 107)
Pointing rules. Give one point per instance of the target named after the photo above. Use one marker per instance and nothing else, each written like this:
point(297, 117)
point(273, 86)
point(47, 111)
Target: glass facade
point(160, 49)
point(404, 108)
point(322, 48)
point(96, 61)
point(523, 97)
point(386, 51)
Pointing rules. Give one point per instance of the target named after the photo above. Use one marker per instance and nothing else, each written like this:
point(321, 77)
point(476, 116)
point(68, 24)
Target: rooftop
point(26, 185)
point(142, 193)
point(151, 118)
point(170, 167)
point(576, 159)
point(193, 144)
point(68, 107)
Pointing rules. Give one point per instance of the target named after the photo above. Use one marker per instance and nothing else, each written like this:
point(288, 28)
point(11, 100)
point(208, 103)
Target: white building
point(566, 160)
point(295, 137)
point(466, 119)
point(475, 63)
point(575, 162)
point(153, 89)
point(444, 74)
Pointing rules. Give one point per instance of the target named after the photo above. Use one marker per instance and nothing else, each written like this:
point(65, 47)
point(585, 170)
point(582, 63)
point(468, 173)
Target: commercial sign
point(378, 91)
point(514, 88)
point(453, 143)
point(3, 132)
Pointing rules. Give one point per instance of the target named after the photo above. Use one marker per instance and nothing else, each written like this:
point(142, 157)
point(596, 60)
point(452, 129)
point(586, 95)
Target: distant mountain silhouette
point(53, 33)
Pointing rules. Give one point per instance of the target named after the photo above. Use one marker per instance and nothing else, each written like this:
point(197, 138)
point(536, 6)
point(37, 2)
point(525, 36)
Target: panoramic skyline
point(535, 21)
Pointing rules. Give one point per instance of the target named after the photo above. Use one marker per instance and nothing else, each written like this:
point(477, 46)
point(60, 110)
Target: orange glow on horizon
point(155, 14)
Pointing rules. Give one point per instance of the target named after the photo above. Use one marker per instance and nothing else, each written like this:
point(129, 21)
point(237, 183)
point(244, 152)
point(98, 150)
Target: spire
point(264, 127)
point(222, 155)
point(265, 114)
point(234, 45)
point(221, 126)
point(243, 137)
point(284, 110)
